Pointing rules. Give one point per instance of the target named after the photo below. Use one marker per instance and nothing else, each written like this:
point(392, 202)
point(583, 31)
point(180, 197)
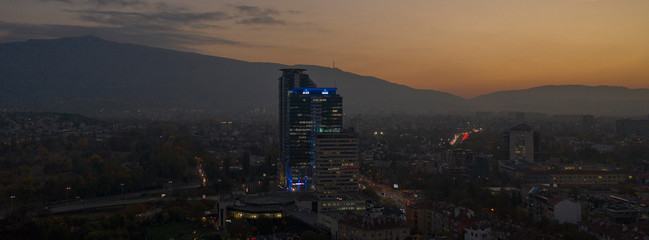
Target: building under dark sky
point(521, 143)
point(336, 168)
point(305, 111)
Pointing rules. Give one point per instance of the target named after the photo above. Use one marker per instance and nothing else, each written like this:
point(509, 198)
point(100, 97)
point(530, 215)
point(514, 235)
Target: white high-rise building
point(521, 144)
point(336, 163)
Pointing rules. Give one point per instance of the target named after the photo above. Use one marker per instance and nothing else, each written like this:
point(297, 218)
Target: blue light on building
point(305, 110)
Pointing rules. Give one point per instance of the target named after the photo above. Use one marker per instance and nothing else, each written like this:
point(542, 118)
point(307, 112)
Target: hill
point(96, 77)
point(568, 99)
point(91, 76)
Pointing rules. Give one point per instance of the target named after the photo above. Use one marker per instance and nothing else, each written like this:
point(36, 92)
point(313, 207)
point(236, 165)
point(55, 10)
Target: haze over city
point(466, 48)
point(316, 120)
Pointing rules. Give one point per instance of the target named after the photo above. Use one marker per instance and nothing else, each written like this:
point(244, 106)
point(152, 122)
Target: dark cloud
point(65, 1)
point(256, 11)
point(159, 36)
point(120, 18)
point(122, 3)
point(116, 2)
point(166, 7)
point(258, 16)
point(261, 20)
point(150, 23)
point(162, 26)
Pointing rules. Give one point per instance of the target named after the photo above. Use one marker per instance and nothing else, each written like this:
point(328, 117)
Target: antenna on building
point(333, 66)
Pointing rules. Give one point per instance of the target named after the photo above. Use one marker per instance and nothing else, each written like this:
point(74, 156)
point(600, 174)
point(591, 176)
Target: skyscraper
point(305, 111)
point(291, 78)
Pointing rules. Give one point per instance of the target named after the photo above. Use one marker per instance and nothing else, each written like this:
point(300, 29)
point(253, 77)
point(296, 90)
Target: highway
point(384, 191)
point(125, 199)
point(387, 192)
point(116, 200)
point(122, 199)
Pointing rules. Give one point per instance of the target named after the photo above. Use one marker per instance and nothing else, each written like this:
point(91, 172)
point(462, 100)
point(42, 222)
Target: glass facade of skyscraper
point(305, 111)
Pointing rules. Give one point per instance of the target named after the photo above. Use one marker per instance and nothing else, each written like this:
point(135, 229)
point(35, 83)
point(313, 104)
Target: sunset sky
point(464, 47)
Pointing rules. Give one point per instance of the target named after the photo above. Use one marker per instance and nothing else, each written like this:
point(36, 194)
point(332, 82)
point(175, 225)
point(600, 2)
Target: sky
point(464, 47)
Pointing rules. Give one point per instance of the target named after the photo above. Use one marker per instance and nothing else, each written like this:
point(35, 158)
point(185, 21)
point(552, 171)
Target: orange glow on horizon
point(466, 48)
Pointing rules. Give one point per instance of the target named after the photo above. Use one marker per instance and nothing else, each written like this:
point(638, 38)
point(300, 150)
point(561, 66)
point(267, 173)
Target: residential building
point(478, 231)
point(543, 203)
point(431, 218)
point(360, 226)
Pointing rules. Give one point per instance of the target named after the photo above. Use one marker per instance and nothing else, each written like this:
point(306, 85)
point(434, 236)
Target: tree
point(371, 194)
point(239, 229)
point(245, 162)
point(310, 235)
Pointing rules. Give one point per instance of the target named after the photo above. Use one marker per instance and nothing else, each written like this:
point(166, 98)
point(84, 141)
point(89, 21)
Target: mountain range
point(96, 77)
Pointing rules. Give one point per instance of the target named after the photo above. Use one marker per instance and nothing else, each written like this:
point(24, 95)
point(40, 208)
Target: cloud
point(156, 24)
point(119, 18)
point(162, 26)
point(261, 20)
point(64, 1)
point(123, 3)
point(159, 36)
point(116, 2)
point(256, 11)
point(252, 15)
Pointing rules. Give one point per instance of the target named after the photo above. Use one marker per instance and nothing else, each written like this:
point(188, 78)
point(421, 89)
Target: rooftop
point(521, 127)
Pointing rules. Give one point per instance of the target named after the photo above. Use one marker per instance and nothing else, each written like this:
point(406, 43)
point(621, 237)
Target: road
point(124, 199)
point(387, 192)
point(116, 200)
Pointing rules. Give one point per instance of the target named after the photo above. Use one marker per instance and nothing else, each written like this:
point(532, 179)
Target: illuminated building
point(567, 175)
point(343, 203)
point(241, 206)
point(336, 165)
point(359, 226)
point(291, 78)
point(521, 144)
point(305, 111)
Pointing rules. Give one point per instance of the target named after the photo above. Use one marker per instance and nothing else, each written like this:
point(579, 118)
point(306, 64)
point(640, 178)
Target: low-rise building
point(431, 218)
point(329, 222)
point(360, 226)
point(565, 210)
point(606, 230)
point(542, 203)
point(478, 231)
point(566, 175)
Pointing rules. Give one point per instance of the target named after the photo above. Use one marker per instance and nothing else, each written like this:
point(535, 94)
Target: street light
point(11, 205)
point(121, 190)
point(67, 189)
point(219, 188)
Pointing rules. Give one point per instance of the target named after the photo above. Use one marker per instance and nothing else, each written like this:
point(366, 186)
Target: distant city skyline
point(467, 48)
